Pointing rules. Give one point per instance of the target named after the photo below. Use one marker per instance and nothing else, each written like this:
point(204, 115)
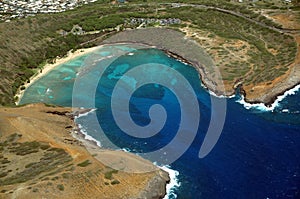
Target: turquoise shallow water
point(257, 155)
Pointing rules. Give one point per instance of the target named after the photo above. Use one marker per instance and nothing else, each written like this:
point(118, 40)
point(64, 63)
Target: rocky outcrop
point(156, 187)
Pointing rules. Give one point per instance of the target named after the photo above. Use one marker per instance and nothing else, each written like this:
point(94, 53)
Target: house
point(77, 30)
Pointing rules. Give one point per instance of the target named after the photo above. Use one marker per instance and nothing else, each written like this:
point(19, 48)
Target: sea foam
point(87, 136)
point(276, 103)
point(174, 182)
point(85, 113)
point(83, 130)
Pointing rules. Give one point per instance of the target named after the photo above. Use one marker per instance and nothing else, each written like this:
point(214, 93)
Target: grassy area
point(268, 58)
point(23, 161)
point(26, 44)
point(109, 174)
point(84, 163)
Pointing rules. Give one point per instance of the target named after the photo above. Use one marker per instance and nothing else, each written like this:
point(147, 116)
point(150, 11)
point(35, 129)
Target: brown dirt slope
point(268, 92)
point(41, 159)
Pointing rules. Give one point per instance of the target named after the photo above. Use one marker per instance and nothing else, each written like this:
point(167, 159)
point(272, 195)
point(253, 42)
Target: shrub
point(3, 174)
point(44, 146)
point(84, 164)
point(109, 174)
point(60, 187)
point(115, 182)
point(35, 190)
point(66, 175)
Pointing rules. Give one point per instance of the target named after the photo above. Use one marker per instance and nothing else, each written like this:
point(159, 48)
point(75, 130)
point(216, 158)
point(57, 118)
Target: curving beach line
point(48, 67)
point(80, 52)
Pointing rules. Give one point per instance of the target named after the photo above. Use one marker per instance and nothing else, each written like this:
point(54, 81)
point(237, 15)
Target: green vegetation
point(66, 175)
point(115, 182)
point(61, 187)
point(35, 190)
point(55, 178)
point(267, 66)
point(27, 44)
point(3, 174)
point(84, 163)
point(109, 174)
point(25, 148)
point(50, 159)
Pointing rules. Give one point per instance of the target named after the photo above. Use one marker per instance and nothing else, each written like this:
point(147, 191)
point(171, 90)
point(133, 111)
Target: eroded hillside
point(40, 158)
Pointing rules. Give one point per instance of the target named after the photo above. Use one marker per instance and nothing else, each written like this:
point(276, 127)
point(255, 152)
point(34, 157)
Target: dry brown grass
point(66, 179)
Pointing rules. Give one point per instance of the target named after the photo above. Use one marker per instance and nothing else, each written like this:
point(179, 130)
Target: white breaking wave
point(174, 182)
point(83, 130)
point(87, 136)
point(258, 106)
point(85, 114)
point(263, 107)
point(219, 96)
point(126, 150)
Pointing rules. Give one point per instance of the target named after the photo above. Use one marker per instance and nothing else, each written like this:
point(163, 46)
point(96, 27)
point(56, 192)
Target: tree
point(296, 2)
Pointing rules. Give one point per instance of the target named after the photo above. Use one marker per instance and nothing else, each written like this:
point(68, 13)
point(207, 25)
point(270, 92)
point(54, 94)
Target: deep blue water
point(257, 155)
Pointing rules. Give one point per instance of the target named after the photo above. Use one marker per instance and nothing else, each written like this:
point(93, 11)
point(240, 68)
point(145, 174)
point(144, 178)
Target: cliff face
point(41, 158)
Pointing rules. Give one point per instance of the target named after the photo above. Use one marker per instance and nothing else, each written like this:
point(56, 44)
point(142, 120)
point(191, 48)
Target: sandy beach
point(48, 67)
point(280, 86)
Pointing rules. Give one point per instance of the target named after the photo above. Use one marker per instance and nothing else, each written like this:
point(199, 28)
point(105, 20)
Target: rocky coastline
point(182, 48)
point(49, 128)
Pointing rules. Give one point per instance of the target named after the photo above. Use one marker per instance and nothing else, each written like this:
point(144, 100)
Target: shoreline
point(48, 67)
point(81, 134)
point(59, 61)
point(248, 104)
point(268, 106)
point(59, 131)
point(80, 52)
point(272, 106)
point(182, 47)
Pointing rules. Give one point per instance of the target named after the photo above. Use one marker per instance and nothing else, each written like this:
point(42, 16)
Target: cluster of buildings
point(147, 21)
point(10, 9)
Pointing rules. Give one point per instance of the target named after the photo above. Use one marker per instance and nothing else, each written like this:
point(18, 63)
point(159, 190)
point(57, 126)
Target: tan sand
point(48, 67)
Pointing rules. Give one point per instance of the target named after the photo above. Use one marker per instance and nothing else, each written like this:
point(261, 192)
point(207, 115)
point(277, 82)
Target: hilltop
point(239, 37)
point(44, 155)
point(253, 45)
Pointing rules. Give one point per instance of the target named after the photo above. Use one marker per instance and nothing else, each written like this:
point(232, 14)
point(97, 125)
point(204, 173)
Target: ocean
point(257, 154)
